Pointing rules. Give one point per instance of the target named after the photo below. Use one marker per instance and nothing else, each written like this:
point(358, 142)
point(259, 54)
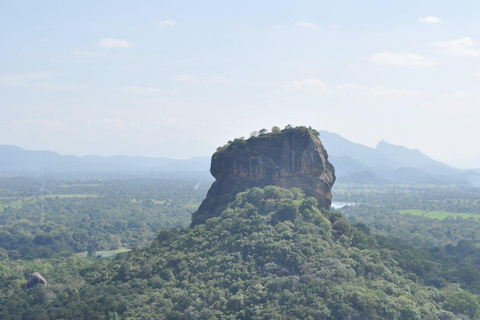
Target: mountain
point(17, 160)
point(338, 146)
point(356, 163)
point(347, 165)
point(271, 254)
point(267, 252)
point(362, 177)
point(385, 156)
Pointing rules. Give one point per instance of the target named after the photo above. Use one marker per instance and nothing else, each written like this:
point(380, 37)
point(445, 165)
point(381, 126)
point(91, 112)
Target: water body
point(339, 205)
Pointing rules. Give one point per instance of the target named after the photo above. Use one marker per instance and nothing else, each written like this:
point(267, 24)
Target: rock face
point(294, 157)
point(34, 279)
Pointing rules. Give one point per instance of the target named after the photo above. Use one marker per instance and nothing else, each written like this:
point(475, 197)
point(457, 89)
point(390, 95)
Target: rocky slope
point(293, 157)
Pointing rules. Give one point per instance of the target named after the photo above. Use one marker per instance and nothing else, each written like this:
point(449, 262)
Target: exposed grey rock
point(34, 279)
point(292, 158)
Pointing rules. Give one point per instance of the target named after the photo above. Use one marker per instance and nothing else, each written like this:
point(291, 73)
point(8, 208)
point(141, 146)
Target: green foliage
point(462, 303)
point(73, 215)
point(441, 215)
point(264, 134)
point(444, 251)
point(271, 254)
point(384, 210)
point(276, 129)
point(234, 144)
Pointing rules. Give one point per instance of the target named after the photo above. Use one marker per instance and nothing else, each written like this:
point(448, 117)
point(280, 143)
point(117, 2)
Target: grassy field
point(17, 204)
point(440, 215)
point(69, 196)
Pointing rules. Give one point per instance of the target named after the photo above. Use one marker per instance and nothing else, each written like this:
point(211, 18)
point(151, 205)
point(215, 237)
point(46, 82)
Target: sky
point(179, 78)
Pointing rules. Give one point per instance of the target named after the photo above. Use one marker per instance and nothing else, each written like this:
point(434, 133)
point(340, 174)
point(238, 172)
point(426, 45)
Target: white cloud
point(108, 122)
point(403, 59)
point(169, 121)
point(114, 122)
point(376, 91)
point(34, 80)
point(308, 25)
point(188, 78)
point(49, 86)
point(142, 90)
point(167, 23)
point(111, 43)
point(39, 123)
point(308, 85)
point(11, 79)
point(459, 47)
point(430, 19)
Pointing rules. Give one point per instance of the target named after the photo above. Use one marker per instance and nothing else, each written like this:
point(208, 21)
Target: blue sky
point(178, 78)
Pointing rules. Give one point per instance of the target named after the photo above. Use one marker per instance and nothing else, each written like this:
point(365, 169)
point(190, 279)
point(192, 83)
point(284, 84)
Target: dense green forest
point(451, 198)
point(46, 218)
point(270, 255)
point(419, 215)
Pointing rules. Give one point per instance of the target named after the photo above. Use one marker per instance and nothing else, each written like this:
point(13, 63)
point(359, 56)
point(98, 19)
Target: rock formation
point(34, 279)
point(294, 157)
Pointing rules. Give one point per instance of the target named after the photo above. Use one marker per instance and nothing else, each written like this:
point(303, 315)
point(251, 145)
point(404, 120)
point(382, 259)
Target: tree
point(263, 132)
point(91, 248)
point(276, 129)
point(254, 134)
point(462, 303)
point(342, 226)
point(287, 211)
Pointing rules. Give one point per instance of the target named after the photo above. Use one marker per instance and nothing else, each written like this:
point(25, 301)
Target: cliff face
point(291, 158)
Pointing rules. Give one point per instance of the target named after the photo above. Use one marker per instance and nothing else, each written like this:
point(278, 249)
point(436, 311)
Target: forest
point(47, 218)
point(270, 255)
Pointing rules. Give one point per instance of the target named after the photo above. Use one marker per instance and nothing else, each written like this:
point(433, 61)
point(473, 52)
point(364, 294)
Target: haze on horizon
point(177, 79)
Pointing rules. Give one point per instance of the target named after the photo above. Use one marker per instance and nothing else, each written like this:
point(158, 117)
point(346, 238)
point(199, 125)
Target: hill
point(390, 164)
point(385, 156)
point(271, 254)
point(15, 160)
point(293, 157)
point(268, 253)
point(355, 163)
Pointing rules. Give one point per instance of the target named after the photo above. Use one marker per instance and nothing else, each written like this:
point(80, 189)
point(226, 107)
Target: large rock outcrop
point(294, 157)
point(34, 279)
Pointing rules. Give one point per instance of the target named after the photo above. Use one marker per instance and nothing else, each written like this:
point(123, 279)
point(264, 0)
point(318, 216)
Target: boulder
point(34, 279)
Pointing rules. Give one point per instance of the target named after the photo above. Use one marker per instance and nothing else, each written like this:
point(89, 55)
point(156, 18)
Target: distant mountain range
point(388, 163)
point(17, 160)
point(354, 163)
